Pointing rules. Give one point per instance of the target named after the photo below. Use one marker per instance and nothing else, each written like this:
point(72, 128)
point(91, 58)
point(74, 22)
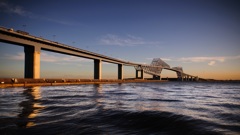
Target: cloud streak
point(210, 60)
point(202, 59)
point(211, 63)
point(18, 10)
point(128, 40)
point(13, 9)
point(45, 57)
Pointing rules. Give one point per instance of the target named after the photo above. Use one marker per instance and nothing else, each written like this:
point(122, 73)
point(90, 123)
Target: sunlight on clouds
point(211, 60)
point(202, 59)
point(166, 59)
point(18, 56)
point(58, 59)
point(211, 63)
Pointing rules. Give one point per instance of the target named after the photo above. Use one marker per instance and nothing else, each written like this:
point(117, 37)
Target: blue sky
point(202, 36)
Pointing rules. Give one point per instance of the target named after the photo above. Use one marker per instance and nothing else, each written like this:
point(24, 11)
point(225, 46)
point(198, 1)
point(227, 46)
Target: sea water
point(118, 109)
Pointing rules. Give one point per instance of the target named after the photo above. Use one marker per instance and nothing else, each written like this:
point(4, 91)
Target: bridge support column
point(120, 71)
point(142, 74)
point(32, 62)
point(97, 69)
point(137, 71)
point(136, 74)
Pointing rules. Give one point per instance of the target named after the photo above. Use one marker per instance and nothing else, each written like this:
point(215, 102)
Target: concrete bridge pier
point(141, 77)
point(97, 69)
point(120, 71)
point(32, 62)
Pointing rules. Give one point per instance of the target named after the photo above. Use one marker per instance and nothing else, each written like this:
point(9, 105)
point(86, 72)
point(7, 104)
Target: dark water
point(131, 108)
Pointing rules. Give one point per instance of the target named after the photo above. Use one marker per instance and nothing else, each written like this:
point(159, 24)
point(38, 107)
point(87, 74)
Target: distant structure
point(33, 46)
point(156, 67)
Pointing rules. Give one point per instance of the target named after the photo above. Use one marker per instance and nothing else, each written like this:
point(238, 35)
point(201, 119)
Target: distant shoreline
point(15, 82)
point(21, 82)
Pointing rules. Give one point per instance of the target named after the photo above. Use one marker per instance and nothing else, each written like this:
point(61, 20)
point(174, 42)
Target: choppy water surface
point(130, 108)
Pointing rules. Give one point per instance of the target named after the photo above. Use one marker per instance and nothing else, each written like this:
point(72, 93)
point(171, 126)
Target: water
point(130, 108)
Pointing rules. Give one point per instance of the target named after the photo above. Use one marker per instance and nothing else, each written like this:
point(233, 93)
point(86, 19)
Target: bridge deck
point(13, 37)
point(21, 38)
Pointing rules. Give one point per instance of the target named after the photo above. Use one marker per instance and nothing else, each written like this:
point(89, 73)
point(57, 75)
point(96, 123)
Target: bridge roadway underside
point(33, 46)
point(32, 64)
point(33, 51)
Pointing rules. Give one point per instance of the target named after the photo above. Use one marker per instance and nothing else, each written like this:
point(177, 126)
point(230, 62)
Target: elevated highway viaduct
point(33, 46)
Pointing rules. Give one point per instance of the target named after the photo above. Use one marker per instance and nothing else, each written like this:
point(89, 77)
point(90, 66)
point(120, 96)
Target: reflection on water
point(98, 96)
point(131, 108)
point(30, 107)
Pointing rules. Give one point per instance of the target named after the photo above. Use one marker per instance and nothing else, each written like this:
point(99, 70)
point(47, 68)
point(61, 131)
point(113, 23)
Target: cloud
point(18, 10)
point(210, 60)
point(166, 59)
point(129, 40)
point(211, 63)
point(202, 59)
point(8, 8)
point(45, 57)
point(18, 56)
point(233, 57)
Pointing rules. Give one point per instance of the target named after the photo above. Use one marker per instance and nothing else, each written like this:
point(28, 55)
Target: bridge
point(156, 67)
point(33, 46)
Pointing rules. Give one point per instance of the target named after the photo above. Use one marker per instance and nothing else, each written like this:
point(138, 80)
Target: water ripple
point(131, 108)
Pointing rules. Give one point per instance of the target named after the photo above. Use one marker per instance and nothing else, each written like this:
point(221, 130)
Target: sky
point(202, 36)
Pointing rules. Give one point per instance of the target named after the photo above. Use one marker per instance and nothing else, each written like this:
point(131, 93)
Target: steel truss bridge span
point(156, 67)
